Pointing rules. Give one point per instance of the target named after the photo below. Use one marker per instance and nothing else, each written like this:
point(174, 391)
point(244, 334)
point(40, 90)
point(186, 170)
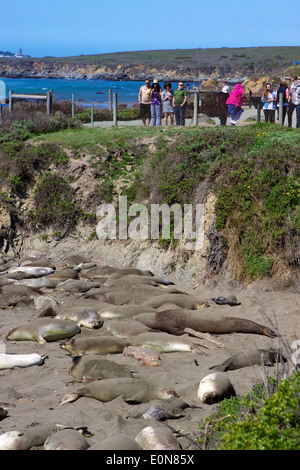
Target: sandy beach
point(35, 391)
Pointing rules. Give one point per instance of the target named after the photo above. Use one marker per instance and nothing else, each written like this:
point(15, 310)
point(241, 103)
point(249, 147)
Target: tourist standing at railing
point(145, 103)
point(179, 101)
point(269, 101)
point(234, 104)
point(294, 101)
point(155, 104)
point(167, 107)
point(223, 96)
point(284, 89)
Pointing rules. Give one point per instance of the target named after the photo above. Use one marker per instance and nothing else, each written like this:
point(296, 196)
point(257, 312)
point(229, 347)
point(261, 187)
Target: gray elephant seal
point(44, 330)
point(175, 321)
point(64, 274)
point(136, 293)
point(93, 367)
point(215, 387)
point(96, 345)
point(229, 300)
point(163, 342)
point(83, 316)
point(122, 311)
point(38, 282)
point(157, 438)
point(185, 301)
point(159, 410)
point(117, 442)
point(132, 391)
point(10, 361)
point(66, 439)
point(35, 271)
point(77, 285)
point(126, 328)
point(24, 440)
point(11, 295)
point(250, 358)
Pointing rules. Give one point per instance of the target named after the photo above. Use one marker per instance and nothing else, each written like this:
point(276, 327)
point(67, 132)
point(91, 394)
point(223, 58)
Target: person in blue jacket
point(269, 101)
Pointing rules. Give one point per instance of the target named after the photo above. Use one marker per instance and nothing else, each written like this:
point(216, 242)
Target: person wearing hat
point(179, 100)
point(155, 104)
point(223, 96)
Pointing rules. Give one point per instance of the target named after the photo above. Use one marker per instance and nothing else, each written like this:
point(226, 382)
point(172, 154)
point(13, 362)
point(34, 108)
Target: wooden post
point(73, 104)
point(10, 101)
point(196, 107)
point(49, 102)
point(281, 109)
point(1, 116)
point(258, 112)
point(92, 114)
point(109, 100)
point(115, 107)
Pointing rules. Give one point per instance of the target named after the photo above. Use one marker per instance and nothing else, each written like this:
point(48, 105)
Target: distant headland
point(174, 64)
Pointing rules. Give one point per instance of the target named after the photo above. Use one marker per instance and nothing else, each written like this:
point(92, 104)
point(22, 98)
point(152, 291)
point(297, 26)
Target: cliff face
point(59, 69)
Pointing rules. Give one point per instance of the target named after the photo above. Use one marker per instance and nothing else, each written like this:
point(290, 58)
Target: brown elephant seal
point(66, 439)
point(10, 361)
point(77, 285)
point(11, 295)
point(163, 342)
point(268, 357)
point(175, 321)
point(118, 442)
point(38, 282)
point(159, 410)
point(229, 300)
point(214, 387)
point(125, 328)
point(93, 367)
point(26, 439)
point(64, 274)
point(44, 330)
point(131, 390)
point(135, 293)
point(83, 316)
point(3, 413)
point(95, 345)
point(117, 280)
point(185, 301)
point(157, 438)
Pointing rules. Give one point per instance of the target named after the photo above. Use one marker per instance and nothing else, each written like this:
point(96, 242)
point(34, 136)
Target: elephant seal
point(11, 295)
point(44, 330)
point(250, 358)
point(162, 342)
point(157, 438)
point(93, 367)
point(38, 282)
point(136, 293)
point(64, 274)
point(77, 285)
point(176, 320)
point(117, 280)
point(126, 328)
point(10, 361)
point(95, 345)
point(118, 442)
point(35, 271)
point(229, 300)
point(159, 410)
point(66, 439)
point(190, 302)
point(83, 316)
point(24, 440)
point(3, 414)
point(215, 387)
point(131, 390)
point(122, 311)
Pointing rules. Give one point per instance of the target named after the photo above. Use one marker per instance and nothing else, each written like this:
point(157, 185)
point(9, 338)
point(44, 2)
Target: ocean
point(86, 92)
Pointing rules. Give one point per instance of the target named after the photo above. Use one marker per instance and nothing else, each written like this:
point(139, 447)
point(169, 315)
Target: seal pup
point(93, 367)
point(131, 390)
point(83, 316)
point(176, 320)
point(118, 442)
point(157, 438)
point(94, 345)
point(10, 361)
point(163, 342)
point(44, 330)
point(160, 410)
point(66, 439)
point(268, 357)
point(229, 300)
point(215, 387)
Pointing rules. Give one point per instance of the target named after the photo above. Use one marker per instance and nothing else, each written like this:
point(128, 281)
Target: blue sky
point(66, 28)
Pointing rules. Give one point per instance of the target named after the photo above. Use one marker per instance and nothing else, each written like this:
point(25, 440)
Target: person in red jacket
point(234, 103)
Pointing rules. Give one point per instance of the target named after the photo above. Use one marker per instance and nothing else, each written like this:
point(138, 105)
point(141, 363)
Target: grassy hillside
point(254, 172)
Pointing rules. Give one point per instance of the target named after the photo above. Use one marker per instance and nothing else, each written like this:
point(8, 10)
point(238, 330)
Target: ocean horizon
point(86, 92)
